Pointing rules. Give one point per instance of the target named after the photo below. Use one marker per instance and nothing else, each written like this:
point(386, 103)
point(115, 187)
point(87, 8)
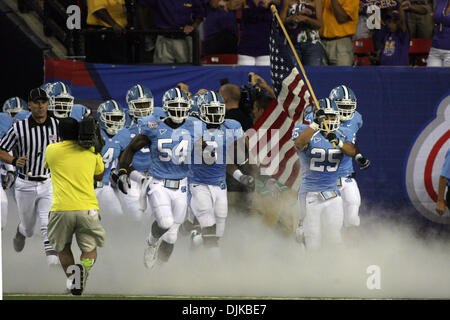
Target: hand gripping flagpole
point(275, 12)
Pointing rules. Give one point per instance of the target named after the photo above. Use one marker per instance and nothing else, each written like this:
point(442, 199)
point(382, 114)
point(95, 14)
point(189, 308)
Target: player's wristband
point(237, 174)
point(358, 156)
point(340, 144)
point(14, 161)
point(314, 126)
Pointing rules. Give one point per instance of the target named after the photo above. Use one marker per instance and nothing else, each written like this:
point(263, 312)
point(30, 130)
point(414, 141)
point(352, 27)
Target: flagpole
point(275, 12)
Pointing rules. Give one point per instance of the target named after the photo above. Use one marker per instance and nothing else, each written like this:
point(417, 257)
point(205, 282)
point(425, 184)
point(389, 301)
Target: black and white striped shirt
point(29, 138)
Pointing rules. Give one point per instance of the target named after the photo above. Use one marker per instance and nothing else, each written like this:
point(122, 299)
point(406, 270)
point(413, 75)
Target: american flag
point(283, 113)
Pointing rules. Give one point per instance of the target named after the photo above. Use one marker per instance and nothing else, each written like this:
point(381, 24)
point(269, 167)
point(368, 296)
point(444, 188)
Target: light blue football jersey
point(220, 139)
point(170, 149)
point(141, 160)
point(352, 125)
point(320, 161)
point(110, 153)
point(6, 123)
point(22, 116)
point(78, 111)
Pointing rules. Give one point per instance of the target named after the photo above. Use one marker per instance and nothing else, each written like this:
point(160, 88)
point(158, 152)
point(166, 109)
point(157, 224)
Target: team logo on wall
point(425, 164)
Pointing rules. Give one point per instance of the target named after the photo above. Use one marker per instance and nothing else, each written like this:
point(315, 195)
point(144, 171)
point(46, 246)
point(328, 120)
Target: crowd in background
point(322, 31)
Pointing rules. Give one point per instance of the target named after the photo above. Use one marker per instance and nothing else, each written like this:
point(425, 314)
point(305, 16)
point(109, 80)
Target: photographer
point(231, 94)
point(75, 208)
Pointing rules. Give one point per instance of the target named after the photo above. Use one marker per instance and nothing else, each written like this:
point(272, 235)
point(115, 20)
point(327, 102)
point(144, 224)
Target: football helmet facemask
point(60, 100)
point(332, 115)
point(345, 100)
point(212, 108)
point(14, 105)
point(176, 104)
point(111, 117)
point(140, 101)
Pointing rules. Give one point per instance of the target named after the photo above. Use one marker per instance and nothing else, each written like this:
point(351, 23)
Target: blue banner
point(406, 113)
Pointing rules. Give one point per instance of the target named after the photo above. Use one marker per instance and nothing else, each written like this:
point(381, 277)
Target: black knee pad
point(157, 231)
point(165, 251)
point(209, 236)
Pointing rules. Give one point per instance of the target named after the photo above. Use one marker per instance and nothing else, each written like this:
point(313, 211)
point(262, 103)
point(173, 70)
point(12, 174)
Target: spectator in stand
point(439, 55)
point(419, 18)
point(362, 30)
point(221, 34)
point(340, 18)
point(394, 38)
point(106, 47)
point(303, 20)
point(253, 47)
point(145, 22)
point(181, 15)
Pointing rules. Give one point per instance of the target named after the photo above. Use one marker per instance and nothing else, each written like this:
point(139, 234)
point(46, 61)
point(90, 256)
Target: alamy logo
point(73, 21)
point(374, 280)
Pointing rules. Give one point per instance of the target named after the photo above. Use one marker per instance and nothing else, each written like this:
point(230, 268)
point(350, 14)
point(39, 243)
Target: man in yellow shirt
point(106, 47)
point(74, 208)
point(340, 18)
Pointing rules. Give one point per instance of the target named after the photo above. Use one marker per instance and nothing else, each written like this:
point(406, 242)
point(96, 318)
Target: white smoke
point(257, 261)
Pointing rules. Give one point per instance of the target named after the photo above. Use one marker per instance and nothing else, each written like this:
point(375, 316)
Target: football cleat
point(19, 241)
point(151, 254)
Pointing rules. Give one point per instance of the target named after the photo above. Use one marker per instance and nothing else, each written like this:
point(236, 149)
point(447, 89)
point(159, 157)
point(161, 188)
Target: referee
point(28, 140)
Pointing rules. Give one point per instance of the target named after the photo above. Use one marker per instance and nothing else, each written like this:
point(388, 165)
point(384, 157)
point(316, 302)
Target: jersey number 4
point(317, 164)
point(178, 154)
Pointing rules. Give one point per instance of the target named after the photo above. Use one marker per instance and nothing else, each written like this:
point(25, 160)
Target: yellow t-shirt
point(115, 8)
point(72, 169)
point(331, 28)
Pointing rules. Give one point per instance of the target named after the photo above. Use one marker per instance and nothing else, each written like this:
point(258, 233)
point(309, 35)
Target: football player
point(7, 170)
point(320, 200)
point(17, 108)
point(350, 119)
point(111, 118)
point(140, 104)
point(207, 183)
point(171, 141)
point(61, 102)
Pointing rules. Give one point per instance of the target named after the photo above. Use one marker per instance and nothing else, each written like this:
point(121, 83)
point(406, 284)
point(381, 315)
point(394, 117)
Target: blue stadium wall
point(406, 113)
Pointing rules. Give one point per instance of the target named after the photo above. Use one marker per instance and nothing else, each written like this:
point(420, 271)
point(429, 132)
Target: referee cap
point(37, 94)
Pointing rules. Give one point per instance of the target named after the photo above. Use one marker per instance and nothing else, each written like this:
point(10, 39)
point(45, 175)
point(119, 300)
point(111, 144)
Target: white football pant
point(169, 207)
point(210, 206)
point(108, 201)
point(34, 199)
point(322, 219)
point(130, 201)
point(351, 201)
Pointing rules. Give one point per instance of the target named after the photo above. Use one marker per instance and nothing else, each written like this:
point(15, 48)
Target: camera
point(248, 95)
point(89, 134)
